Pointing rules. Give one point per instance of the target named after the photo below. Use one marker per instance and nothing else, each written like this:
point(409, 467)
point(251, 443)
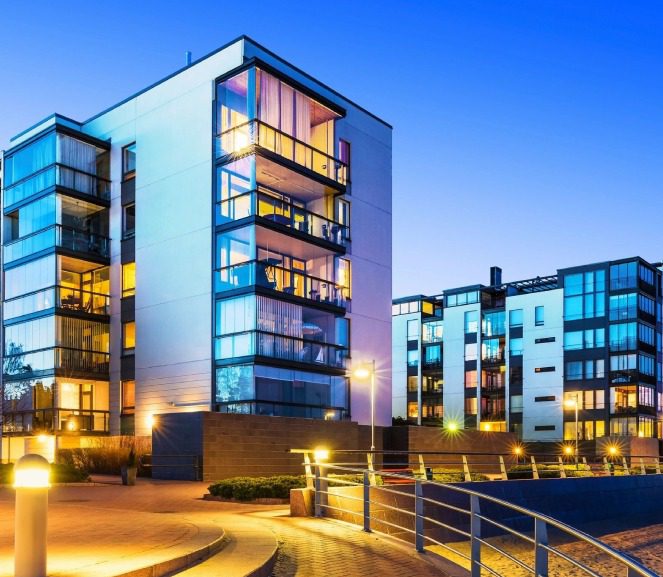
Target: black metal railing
point(257, 133)
point(52, 420)
point(282, 212)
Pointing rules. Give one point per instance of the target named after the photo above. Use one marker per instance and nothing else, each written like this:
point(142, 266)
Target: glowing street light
point(452, 426)
point(31, 481)
point(363, 372)
point(573, 404)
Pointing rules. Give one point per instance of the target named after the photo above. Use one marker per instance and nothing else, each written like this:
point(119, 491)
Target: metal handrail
point(542, 522)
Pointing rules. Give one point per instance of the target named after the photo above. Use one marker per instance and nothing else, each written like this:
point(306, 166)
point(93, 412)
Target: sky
point(528, 134)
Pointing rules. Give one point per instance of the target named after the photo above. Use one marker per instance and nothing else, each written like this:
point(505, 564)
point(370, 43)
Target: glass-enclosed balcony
point(56, 160)
point(56, 420)
point(44, 362)
point(240, 139)
point(65, 298)
point(57, 236)
point(274, 346)
point(277, 209)
point(268, 274)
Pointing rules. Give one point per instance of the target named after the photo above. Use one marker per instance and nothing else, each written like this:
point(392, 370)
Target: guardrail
point(465, 526)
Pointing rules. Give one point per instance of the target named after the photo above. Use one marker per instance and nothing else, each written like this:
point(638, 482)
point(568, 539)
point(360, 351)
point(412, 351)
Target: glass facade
point(282, 280)
point(56, 290)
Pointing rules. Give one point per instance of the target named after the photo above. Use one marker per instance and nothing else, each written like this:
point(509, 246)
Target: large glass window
point(128, 405)
point(623, 307)
point(624, 275)
point(516, 318)
point(433, 355)
point(432, 332)
point(623, 336)
point(493, 324)
point(539, 318)
point(471, 321)
point(584, 295)
point(128, 337)
point(129, 279)
point(32, 276)
point(29, 160)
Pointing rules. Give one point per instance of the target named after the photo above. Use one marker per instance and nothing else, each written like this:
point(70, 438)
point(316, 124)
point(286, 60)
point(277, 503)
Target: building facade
point(521, 356)
point(219, 241)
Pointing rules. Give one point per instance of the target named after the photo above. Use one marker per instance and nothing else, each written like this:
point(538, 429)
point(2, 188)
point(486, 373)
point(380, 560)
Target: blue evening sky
point(527, 134)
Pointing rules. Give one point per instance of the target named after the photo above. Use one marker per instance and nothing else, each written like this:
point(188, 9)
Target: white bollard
point(31, 482)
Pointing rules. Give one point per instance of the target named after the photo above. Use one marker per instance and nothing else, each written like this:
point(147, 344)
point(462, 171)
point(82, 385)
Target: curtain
point(303, 118)
point(269, 99)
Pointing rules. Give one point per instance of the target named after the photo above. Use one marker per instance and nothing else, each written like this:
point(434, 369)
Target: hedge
point(455, 476)
point(60, 473)
point(548, 471)
point(250, 488)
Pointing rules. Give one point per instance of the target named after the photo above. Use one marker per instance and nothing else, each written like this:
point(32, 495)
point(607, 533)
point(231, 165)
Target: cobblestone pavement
point(314, 547)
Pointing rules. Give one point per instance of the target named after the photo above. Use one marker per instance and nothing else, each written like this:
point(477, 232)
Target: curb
point(265, 569)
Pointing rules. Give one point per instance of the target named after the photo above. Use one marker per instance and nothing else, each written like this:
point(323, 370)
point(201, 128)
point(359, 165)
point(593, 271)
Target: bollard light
point(31, 481)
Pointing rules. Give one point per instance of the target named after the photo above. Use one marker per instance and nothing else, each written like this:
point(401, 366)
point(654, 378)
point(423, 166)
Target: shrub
point(250, 488)
point(60, 473)
point(548, 471)
point(455, 476)
point(107, 455)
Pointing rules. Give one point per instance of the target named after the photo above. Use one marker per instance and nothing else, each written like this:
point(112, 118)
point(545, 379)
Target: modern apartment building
point(520, 356)
point(219, 241)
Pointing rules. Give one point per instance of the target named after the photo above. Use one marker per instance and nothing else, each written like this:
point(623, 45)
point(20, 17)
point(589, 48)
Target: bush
point(250, 488)
point(107, 455)
point(548, 471)
point(60, 473)
point(455, 476)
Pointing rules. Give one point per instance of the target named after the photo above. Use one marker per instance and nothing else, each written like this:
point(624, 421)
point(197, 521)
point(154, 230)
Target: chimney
point(187, 58)
point(495, 276)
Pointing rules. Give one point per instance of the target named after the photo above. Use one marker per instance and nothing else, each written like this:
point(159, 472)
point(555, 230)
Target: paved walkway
point(107, 530)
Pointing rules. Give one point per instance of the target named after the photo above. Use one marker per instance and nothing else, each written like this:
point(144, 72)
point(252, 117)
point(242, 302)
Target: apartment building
point(521, 356)
point(218, 241)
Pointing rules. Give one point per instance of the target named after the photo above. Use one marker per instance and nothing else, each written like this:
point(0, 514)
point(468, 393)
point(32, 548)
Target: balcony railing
point(52, 420)
point(58, 175)
point(269, 275)
point(257, 203)
point(493, 357)
point(625, 344)
point(57, 235)
point(56, 296)
point(255, 132)
point(34, 364)
point(264, 344)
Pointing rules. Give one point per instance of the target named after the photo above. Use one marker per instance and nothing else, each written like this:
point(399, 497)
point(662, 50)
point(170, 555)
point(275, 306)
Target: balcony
point(34, 364)
point(240, 139)
point(283, 213)
point(52, 420)
point(60, 236)
point(58, 175)
point(65, 298)
point(274, 346)
point(493, 357)
point(266, 273)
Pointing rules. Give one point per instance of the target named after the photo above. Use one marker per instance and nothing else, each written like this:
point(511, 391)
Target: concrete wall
point(249, 445)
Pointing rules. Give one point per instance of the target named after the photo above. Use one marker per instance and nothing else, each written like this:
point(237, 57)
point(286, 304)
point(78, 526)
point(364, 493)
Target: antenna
point(187, 58)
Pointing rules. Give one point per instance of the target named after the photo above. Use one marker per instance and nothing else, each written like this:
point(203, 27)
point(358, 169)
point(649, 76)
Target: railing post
point(475, 536)
point(369, 460)
point(466, 470)
point(540, 551)
point(643, 471)
point(419, 516)
point(657, 462)
point(535, 471)
point(318, 508)
point(625, 465)
point(367, 503)
point(562, 472)
point(505, 477)
point(307, 471)
point(422, 466)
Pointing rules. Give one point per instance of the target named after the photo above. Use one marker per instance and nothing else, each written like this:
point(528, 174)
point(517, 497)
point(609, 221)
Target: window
point(544, 399)
point(622, 362)
point(432, 332)
point(129, 161)
point(492, 324)
point(463, 299)
point(646, 274)
point(412, 358)
point(413, 330)
point(516, 404)
point(471, 322)
point(128, 220)
point(129, 279)
point(471, 352)
point(516, 347)
point(587, 400)
point(471, 406)
point(584, 295)
point(516, 318)
point(515, 376)
point(646, 305)
point(470, 379)
point(344, 154)
point(433, 355)
point(646, 365)
point(623, 307)
point(544, 370)
point(129, 337)
point(646, 396)
point(492, 350)
point(544, 427)
point(412, 410)
point(623, 275)
point(544, 340)
point(539, 316)
point(128, 397)
point(589, 369)
point(432, 384)
point(427, 307)
point(587, 430)
point(622, 337)
point(412, 384)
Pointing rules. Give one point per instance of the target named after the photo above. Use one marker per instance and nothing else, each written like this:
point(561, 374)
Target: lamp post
point(31, 482)
point(361, 373)
point(574, 403)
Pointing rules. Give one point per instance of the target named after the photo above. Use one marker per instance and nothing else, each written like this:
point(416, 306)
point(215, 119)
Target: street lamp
point(573, 404)
point(363, 372)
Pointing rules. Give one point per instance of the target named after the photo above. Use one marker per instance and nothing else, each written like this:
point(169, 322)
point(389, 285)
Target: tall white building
point(219, 241)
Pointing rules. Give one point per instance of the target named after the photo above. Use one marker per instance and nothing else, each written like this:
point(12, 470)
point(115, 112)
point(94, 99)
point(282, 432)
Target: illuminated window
point(129, 336)
point(470, 379)
point(412, 384)
point(412, 410)
point(128, 397)
point(471, 406)
point(129, 279)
